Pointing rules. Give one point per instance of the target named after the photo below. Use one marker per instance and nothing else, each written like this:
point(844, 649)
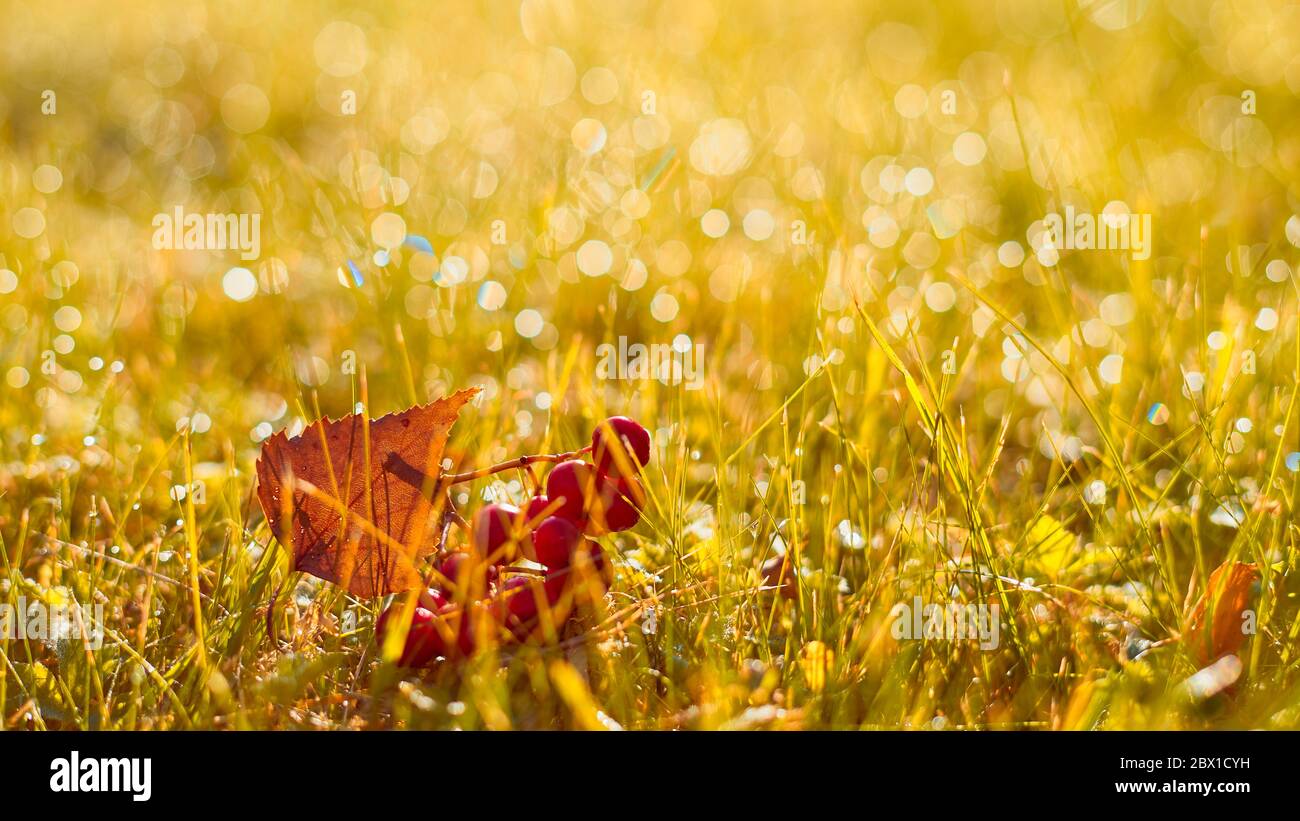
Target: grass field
point(908, 383)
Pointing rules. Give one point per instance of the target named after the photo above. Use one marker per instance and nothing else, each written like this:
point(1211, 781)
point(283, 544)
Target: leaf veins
point(359, 505)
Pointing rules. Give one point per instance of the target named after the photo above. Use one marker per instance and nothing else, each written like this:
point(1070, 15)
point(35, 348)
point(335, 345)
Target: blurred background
point(647, 167)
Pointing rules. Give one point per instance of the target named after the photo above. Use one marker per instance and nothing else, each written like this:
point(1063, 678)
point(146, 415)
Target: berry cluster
point(481, 598)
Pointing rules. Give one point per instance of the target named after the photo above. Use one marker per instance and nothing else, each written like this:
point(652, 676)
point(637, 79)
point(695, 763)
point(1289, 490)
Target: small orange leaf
point(1229, 590)
point(361, 525)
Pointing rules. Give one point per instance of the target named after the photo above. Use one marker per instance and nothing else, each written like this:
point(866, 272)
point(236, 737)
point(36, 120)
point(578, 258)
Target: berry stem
point(513, 464)
point(452, 516)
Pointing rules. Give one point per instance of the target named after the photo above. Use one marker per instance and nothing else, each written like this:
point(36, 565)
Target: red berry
point(618, 505)
point(538, 510)
point(467, 577)
point(631, 498)
point(452, 564)
point(475, 625)
point(525, 598)
point(539, 507)
point(554, 541)
point(433, 599)
point(619, 445)
point(511, 585)
point(423, 640)
point(498, 531)
point(520, 602)
point(571, 484)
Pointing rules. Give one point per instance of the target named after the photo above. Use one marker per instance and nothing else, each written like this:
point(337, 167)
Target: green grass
point(827, 427)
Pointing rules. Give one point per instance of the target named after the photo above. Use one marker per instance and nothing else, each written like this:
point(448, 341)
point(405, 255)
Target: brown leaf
point(362, 526)
point(1230, 589)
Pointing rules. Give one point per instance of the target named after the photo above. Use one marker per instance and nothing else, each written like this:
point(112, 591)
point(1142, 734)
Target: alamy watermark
point(681, 362)
point(127, 775)
point(208, 232)
point(953, 621)
point(1118, 231)
point(53, 623)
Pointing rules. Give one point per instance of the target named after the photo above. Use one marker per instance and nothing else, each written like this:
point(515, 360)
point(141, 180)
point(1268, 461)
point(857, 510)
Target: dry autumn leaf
point(360, 522)
point(1230, 589)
